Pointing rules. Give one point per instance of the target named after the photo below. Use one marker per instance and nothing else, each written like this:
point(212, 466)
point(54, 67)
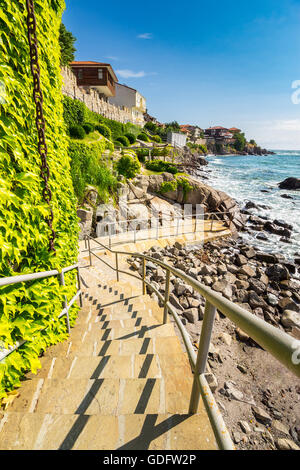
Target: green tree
point(66, 41)
point(239, 141)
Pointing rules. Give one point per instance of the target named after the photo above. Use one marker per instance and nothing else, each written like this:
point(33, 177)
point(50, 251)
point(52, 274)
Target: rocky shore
point(259, 398)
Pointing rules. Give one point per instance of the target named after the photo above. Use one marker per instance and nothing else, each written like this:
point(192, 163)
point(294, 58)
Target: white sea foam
point(245, 177)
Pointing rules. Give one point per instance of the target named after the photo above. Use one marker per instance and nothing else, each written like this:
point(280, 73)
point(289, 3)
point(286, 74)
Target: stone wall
point(91, 98)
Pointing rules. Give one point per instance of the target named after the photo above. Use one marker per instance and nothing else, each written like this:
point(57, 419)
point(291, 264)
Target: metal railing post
point(144, 275)
point(90, 254)
point(79, 287)
point(117, 267)
point(167, 296)
point(65, 302)
point(206, 332)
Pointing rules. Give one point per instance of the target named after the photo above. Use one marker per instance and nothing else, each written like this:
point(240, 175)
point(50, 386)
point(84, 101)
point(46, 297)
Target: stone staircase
point(121, 381)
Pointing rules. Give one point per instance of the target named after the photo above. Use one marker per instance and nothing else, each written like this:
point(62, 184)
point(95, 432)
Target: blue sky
point(202, 62)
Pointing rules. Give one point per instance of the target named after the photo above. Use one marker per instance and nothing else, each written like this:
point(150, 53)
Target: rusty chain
point(40, 121)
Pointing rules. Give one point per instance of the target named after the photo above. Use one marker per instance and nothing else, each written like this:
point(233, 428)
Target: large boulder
point(211, 199)
point(290, 183)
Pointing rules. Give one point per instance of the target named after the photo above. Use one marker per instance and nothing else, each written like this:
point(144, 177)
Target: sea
point(246, 178)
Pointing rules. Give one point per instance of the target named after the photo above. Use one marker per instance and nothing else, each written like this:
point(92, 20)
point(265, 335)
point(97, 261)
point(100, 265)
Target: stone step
point(132, 345)
point(106, 396)
point(152, 331)
point(113, 366)
point(38, 431)
point(103, 324)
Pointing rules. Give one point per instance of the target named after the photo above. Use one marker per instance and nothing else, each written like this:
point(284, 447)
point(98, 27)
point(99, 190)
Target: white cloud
point(145, 36)
point(130, 74)
point(275, 134)
point(111, 57)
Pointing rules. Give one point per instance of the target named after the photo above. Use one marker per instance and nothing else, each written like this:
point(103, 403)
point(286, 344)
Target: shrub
point(74, 111)
point(128, 166)
point(150, 126)
point(131, 138)
point(185, 185)
point(77, 132)
point(156, 138)
point(143, 137)
point(118, 144)
point(88, 127)
point(160, 166)
point(87, 169)
point(167, 186)
point(124, 141)
point(104, 130)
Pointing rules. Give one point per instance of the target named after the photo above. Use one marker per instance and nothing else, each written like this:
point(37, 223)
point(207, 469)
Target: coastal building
point(97, 75)
point(128, 97)
point(216, 132)
point(176, 139)
point(235, 130)
point(192, 132)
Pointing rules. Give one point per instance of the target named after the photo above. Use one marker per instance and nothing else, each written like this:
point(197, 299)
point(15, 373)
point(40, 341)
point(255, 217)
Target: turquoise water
point(244, 177)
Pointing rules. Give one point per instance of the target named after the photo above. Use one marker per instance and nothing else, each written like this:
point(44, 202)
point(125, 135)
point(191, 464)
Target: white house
point(128, 97)
point(176, 139)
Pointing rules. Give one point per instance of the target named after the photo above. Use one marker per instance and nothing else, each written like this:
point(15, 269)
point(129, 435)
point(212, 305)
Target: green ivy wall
point(26, 309)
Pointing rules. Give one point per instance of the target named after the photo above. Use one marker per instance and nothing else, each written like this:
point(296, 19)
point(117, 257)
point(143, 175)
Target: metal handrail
point(278, 343)
point(6, 281)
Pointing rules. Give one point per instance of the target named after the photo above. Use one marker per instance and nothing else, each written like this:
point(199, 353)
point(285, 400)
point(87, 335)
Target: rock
point(286, 196)
point(242, 368)
point(257, 286)
point(266, 257)
point(241, 335)
point(245, 427)
point(280, 427)
point(192, 315)
point(240, 260)
point(240, 284)
point(262, 236)
point(290, 319)
point(175, 302)
point(223, 287)
point(282, 223)
point(242, 295)
point(222, 269)
point(236, 437)
point(272, 299)
point(290, 183)
point(276, 230)
point(249, 252)
point(277, 273)
point(234, 394)
point(286, 444)
point(247, 271)
point(287, 304)
point(208, 270)
point(261, 415)
point(255, 300)
point(212, 381)
point(207, 280)
point(193, 303)
point(226, 338)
